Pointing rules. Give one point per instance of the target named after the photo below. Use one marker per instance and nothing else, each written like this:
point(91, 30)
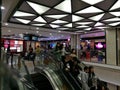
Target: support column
point(75, 42)
point(118, 46)
point(111, 46)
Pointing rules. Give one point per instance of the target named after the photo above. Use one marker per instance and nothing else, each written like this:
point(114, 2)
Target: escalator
point(40, 81)
point(51, 77)
point(73, 81)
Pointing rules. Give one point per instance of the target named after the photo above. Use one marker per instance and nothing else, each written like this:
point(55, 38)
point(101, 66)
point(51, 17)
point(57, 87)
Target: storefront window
point(118, 47)
point(93, 50)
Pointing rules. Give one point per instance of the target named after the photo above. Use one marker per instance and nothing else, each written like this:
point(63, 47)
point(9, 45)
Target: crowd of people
point(70, 63)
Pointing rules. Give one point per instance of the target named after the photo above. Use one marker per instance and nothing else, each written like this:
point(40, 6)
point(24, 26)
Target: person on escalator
point(31, 56)
point(68, 64)
point(83, 77)
point(57, 51)
point(92, 79)
point(75, 68)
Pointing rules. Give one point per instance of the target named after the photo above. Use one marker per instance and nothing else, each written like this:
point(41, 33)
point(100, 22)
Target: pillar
point(118, 46)
point(111, 46)
point(75, 42)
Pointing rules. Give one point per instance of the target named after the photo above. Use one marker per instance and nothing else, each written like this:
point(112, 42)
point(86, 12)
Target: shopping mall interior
point(55, 28)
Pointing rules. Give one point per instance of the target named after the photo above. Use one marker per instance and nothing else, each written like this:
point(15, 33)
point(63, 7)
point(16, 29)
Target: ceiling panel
point(61, 14)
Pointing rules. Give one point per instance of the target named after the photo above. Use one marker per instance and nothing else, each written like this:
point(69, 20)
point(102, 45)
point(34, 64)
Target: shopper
point(92, 79)
point(83, 78)
point(37, 52)
point(31, 56)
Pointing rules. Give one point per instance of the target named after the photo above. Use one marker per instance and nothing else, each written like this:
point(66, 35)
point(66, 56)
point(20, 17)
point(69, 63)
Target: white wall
point(107, 73)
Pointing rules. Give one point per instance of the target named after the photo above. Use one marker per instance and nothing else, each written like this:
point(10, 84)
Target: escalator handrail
point(71, 86)
point(58, 82)
point(28, 85)
point(75, 80)
point(27, 72)
point(46, 73)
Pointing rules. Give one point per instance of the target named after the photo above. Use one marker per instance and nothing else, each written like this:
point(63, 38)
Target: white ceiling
point(13, 28)
point(59, 17)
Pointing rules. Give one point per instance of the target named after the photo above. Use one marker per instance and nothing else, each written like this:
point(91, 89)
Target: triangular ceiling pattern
point(68, 14)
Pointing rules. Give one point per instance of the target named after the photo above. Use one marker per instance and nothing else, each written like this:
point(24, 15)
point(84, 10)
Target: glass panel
point(93, 51)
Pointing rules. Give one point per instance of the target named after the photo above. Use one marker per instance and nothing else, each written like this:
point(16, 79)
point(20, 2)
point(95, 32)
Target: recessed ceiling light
point(38, 8)
point(6, 24)
point(40, 19)
point(65, 6)
point(116, 5)
point(50, 33)
point(82, 26)
point(90, 9)
point(22, 14)
point(115, 13)
point(92, 2)
point(62, 28)
point(113, 19)
point(88, 29)
point(84, 23)
point(54, 26)
point(23, 20)
point(102, 27)
point(2, 7)
point(99, 24)
point(59, 21)
point(114, 24)
point(68, 25)
point(37, 28)
point(59, 31)
point(97, 17)
point(37, 31)
point(56, 16)
point(38, 24)
point(76, 18)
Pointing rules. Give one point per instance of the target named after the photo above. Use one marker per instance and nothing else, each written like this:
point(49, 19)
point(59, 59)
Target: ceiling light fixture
point(22, 14)
point(90, 9)
point(65, 6)
point(2, 7)
point(99, 24)
point(68, 25)
point(115, 13)
point(82, 26)
point(88, 29)
point(40, 19)
point(37, 31)
point(116, 5)
point(113, 19)
point(38, 24)
point(114, 24)
point(56, 16)
point(59, 31)
point(59, 21)
point(38, 8)
point(6, 24)
point(23, 20)
point(37, 28)
point(54, 26)
point(76, 18)
point(92, 2)
point(84, 23)
point(97, 17)
point(62, 28)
